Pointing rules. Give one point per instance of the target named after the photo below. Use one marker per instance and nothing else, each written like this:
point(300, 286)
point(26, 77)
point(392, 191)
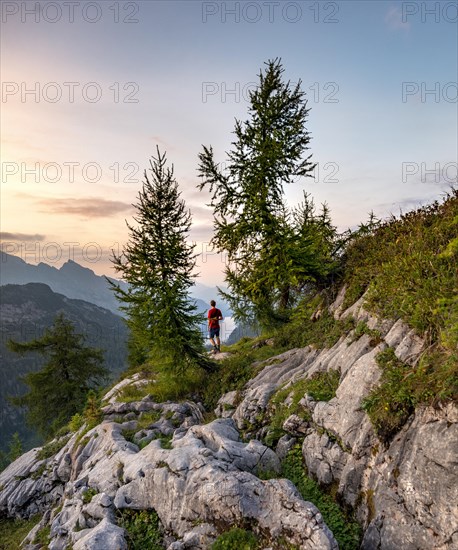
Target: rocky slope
point(208, 479)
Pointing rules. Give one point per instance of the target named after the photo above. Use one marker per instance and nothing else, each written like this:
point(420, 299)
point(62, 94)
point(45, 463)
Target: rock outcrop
point(203, 481)
point(203, 478)
point(405, 494)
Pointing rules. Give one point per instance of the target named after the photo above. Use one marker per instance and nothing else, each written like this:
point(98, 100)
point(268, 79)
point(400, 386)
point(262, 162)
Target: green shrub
point(166, 441)
point(236, 539)
point(89, 494)
point(76, 422)
point(345, 529)
point(391, 403)
point(143, 529)
point(362, 328)
point(128, 435)
point(322, 386)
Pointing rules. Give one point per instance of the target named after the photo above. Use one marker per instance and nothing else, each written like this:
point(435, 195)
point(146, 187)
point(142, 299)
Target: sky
point(89, 89)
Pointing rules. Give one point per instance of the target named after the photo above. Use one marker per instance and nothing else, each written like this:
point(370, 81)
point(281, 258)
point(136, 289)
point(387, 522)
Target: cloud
point(89, 208)
point(396, 20)
point(201, 232)
point(201, 212)
point(23, 237)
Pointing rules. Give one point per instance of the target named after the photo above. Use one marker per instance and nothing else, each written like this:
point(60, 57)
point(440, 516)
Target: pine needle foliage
point(158, 265)
point(272, 252)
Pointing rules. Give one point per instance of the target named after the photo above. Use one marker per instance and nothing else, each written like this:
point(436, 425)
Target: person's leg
point(218, 343)
point(213, 333)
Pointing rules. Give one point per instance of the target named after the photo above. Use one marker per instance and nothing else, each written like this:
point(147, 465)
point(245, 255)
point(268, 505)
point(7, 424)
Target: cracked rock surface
point(405, 495)
point(207, 479)
point(206, 482)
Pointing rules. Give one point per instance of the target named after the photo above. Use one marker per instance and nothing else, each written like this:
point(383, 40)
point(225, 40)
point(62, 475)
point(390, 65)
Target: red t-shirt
point(213, 315)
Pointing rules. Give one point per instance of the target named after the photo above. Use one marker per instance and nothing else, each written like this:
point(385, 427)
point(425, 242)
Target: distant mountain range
point(78, 282)
point(25, 312)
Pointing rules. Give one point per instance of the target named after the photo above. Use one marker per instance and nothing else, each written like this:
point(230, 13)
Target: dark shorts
point(214, 332)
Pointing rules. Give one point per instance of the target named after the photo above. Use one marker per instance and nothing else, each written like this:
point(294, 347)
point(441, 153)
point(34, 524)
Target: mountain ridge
point(78, 282)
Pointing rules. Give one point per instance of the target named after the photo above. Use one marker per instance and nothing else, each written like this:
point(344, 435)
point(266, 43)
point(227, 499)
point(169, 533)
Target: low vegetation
point(142, 527)
point(345, 528)
point(312, 324)
point(13, 532)
point(321, 386)
point(403, 387)
point(52, 448)
point(235, 371)
point(408, 265)
point(236, 539)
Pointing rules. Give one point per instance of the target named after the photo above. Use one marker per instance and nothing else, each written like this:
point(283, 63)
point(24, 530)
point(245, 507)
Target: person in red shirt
point(214, 317)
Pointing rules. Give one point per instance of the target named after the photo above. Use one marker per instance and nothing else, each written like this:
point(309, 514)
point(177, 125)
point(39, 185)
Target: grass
point(89, 494)
point(43, 537)
point(344, 528)
point(147, 419)
point(363, 328)
point(321, 386)
point(165, 384)
point(39, 471)
point(305, 328)
point(143, 529)
point(52, 448)
point(166, 441)
point(235, 371)
point(408, 264)
point(13, 532)
point(403, 387)
point(236, 539)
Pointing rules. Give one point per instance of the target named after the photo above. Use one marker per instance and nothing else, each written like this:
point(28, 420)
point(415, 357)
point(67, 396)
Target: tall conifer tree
point(59, 390)
point(158, 265)
point(270, 254)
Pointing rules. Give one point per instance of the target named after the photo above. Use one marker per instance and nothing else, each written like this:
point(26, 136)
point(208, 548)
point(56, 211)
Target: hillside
point(25, 312)
point(338, 430)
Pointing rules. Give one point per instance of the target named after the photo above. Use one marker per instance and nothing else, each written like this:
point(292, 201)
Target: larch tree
point(269, 252)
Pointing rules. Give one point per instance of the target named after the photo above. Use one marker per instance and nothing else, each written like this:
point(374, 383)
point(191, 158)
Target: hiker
point(214, 317)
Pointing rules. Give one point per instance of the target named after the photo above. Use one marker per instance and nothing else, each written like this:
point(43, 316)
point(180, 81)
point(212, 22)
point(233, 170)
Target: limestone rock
point(105, 535)
point(207, 479)
point(226, 405)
